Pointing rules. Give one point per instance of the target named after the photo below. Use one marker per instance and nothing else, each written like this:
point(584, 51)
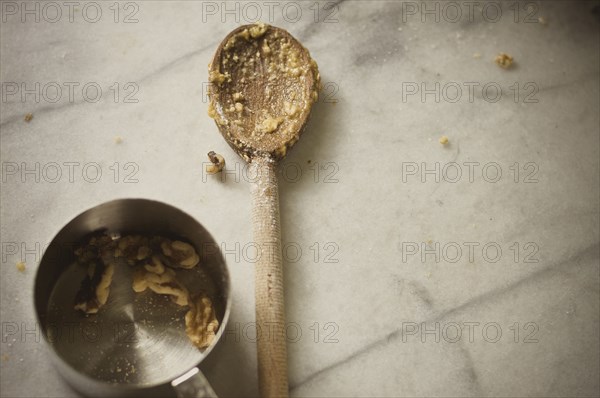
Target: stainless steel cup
point(136, 344)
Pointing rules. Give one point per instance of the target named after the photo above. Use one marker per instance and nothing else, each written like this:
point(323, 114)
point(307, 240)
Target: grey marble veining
point(383, 303)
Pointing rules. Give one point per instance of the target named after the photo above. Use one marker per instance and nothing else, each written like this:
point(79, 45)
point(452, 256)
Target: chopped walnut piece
point(133, 248)
point(98, 256)
point(143, 252)
point(201, 323)
point(156, 267)
point(183, 254)
point(217, 163)
point(164, 283)
point(94, 290)
point(218, 78)
point(504, 60)
point(103, 287)
point(269, 125)
point(258, 30)
point(139, 280)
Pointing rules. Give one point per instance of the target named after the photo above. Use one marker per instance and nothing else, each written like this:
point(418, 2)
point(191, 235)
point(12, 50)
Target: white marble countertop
point(398, 251)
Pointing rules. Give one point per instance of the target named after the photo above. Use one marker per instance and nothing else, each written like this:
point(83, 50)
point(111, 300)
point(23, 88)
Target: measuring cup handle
point(193, 384)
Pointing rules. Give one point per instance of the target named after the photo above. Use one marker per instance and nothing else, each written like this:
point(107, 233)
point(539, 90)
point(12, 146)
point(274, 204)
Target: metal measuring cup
point(136, 344)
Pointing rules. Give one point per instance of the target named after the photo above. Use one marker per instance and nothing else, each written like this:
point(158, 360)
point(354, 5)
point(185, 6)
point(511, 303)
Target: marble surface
point(393, 278)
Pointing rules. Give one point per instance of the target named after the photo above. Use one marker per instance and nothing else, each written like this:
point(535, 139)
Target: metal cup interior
point(137, 340)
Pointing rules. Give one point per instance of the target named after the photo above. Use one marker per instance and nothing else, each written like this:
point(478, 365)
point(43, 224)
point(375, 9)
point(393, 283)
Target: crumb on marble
point(28, 117)
point(444, 140)
point(504, 60)
point(118, 139)
point(21, 266)
point(476, 55)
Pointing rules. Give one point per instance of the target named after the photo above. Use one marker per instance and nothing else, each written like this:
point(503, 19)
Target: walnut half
point(95, 288)
point(201, 323)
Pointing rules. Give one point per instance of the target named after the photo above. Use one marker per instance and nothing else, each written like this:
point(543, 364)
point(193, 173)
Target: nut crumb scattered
point(444, 140)
point(217, 163)
point(258, 30)
point(504, 60)
point(269, 125)
point(28, 117)
point(118, 139)
point(21, 266)
point(476, 55)
point(542, 21)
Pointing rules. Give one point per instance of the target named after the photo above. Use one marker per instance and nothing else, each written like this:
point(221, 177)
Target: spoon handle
point(270, 318)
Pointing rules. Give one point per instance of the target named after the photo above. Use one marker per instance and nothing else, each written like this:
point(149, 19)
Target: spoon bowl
point(263, 85)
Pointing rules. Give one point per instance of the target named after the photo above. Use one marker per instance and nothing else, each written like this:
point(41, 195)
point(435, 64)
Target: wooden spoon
point(263, 85)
